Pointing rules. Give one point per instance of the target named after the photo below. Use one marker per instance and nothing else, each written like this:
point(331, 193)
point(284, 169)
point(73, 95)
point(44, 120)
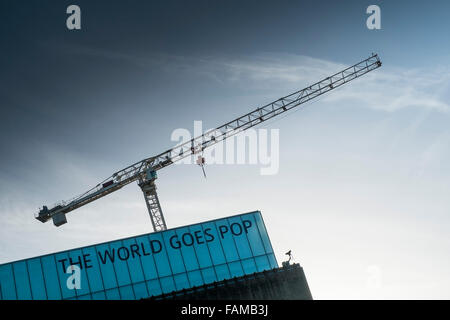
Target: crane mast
point(144, 171)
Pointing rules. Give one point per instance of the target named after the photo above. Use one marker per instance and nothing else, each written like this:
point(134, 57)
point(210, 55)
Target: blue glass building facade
point(146, 265)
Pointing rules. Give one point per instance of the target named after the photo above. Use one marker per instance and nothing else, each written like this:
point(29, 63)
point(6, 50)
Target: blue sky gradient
point(364, 171)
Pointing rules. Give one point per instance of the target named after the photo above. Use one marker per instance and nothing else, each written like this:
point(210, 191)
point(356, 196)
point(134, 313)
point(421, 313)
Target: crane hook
point(201, 163)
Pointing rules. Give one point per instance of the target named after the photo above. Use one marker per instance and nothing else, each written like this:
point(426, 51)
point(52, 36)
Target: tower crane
point(144, 171)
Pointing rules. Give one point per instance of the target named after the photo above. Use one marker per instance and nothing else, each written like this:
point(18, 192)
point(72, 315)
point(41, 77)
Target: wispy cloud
point(394, 89)
point(389, 88)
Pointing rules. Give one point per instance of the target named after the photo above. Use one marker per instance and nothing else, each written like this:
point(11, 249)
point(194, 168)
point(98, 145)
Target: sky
point(361, 194)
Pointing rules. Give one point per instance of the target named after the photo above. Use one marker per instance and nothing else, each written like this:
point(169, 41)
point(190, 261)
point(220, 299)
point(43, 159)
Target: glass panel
point(239, 232)
point(161, 260)
point(262, 263)
point(51, 278)
point(167, 284)
point(99, 296)
point(249, 266)
point(209, 275)
point(272, 261)
point(37, 279)
point(173, 245)
point(120, 256)
point(222, 272)
point(134, 261)
point(113, 294)
point(92, 267)
point(201, 246)
point(263, 232)
point(236, 269)
point(7, 282)
point(84, 297)
point(154, 288)
point(195, 278)
point(22, 280)
point(188, 240)
point(226, 238)
point(253, 236)
point(105, 258)
point(213, 241)
point(126, 293)
point(140, 291)
point(181, 281)
point(147, 260)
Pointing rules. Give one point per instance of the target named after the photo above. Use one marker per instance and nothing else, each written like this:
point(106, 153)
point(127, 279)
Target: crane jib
point(145, 171)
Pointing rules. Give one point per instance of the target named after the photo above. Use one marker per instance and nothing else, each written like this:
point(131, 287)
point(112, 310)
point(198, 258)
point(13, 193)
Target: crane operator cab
point(59, 219)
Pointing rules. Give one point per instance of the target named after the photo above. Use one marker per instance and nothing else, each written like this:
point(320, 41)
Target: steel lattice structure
point(144, 171)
